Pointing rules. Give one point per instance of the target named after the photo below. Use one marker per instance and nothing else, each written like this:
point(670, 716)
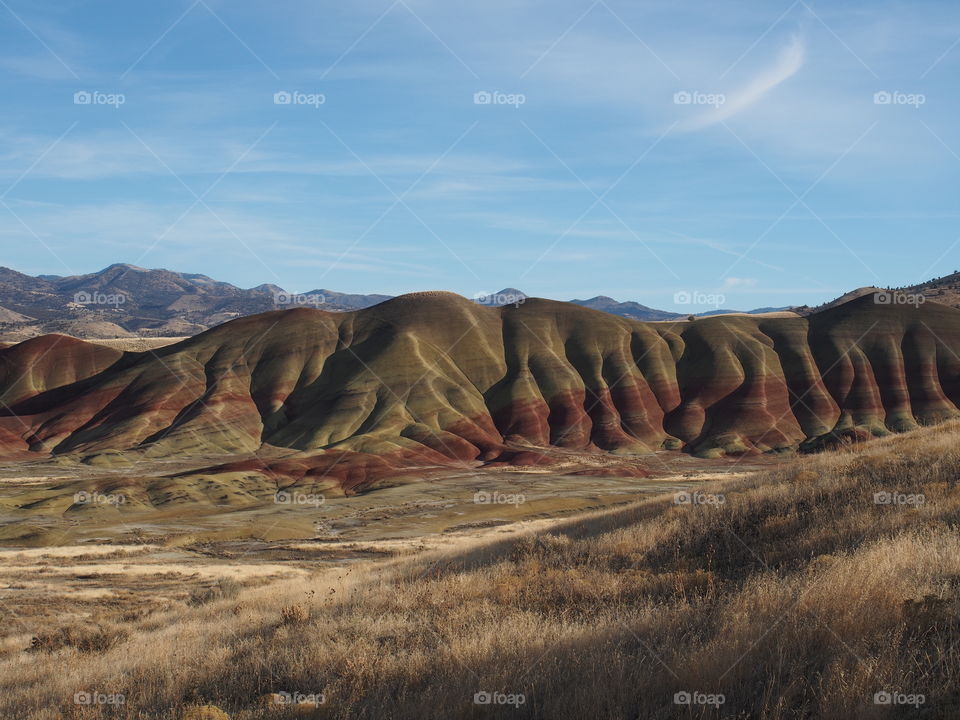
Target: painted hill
point(433, 378)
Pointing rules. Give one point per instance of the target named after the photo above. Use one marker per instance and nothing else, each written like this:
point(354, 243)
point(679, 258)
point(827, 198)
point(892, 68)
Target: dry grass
point(220, 589)
point(797, 597)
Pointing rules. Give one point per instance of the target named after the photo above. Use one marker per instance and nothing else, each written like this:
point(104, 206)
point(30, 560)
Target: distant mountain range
point(129, 301)
point(125, 301)
point(632, 310)
point(629, 309)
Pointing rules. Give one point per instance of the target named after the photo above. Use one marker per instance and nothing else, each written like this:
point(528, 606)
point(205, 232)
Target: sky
point(749, 154)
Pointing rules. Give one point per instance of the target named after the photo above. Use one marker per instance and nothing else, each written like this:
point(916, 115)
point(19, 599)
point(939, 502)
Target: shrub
point(222, 589)
point(83, 638)
point(204, 712)
point(294, 615)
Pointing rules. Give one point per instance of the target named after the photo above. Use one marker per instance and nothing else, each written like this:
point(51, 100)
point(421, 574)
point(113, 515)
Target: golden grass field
point(823, 587)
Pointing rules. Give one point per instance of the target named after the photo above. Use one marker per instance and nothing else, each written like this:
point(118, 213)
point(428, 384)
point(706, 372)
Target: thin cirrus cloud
point(789, 61)
point(738, 282)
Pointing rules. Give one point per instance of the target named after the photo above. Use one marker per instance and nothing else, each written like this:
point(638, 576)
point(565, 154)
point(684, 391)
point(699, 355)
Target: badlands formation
point(432, 378)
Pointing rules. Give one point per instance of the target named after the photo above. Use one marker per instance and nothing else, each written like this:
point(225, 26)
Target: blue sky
point(630, 149)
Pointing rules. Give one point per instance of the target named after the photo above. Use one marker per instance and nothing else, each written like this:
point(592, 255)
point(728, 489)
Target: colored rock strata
point(432, 378)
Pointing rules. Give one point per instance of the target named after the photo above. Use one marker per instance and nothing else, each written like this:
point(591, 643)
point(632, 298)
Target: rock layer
point(433, 378)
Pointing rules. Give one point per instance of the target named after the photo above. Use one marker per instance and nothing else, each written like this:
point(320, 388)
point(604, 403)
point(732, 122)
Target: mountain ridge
point(127, 301)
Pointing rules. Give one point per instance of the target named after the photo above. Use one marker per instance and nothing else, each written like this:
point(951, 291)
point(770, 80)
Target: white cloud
point(789, 61)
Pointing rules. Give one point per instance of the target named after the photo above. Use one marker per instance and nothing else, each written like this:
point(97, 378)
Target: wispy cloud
point(789, 61)
point(736, 282)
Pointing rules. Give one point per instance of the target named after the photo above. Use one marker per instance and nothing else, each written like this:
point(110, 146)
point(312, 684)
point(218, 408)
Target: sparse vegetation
point(205, 712)
point(294, 615)
point(797, 592)
point(83, 638)
point(221, 589)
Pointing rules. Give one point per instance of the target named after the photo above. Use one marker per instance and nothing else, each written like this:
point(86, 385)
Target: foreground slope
point(828, 588)
point(434, 378)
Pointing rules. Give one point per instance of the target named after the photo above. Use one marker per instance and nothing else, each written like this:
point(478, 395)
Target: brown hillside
point(434, 378)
